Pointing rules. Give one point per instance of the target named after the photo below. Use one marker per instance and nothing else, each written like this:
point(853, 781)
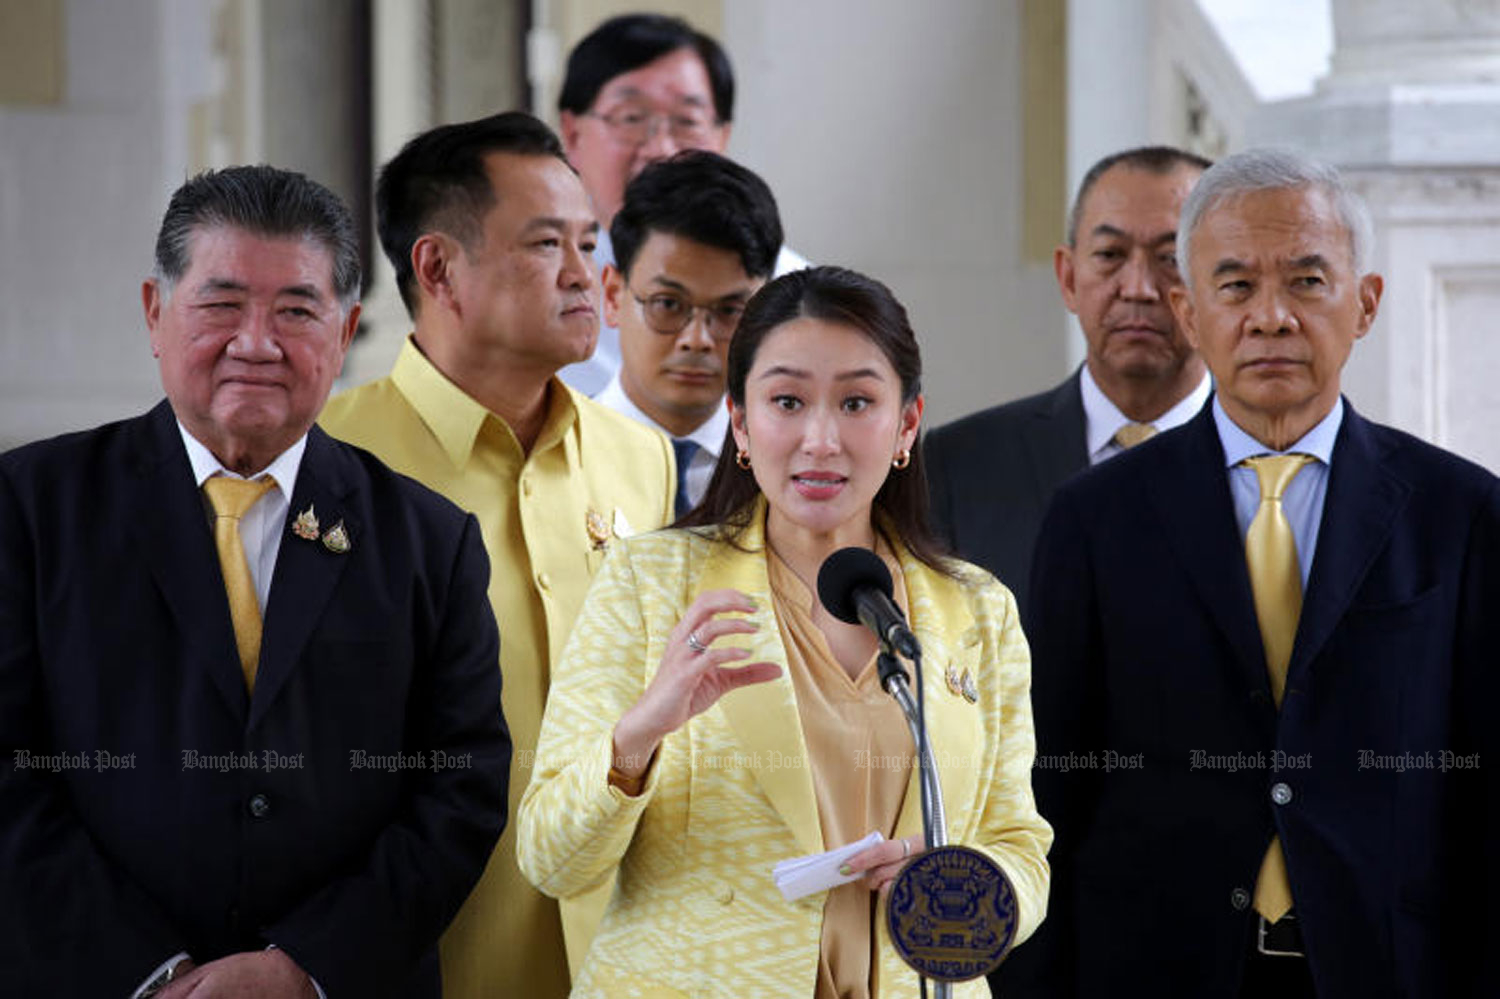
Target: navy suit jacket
point(149, 805)
point(1159, 743)
point(992, 474)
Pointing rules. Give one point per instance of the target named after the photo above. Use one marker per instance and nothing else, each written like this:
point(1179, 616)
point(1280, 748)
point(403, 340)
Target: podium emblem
point(952, 914)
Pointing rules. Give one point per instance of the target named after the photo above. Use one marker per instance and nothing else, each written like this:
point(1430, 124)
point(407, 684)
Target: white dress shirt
point(264, 523)
point(709, 436)
point(1103, 419)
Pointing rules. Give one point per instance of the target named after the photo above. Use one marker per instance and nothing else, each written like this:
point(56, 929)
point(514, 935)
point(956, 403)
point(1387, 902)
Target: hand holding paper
point(819, 871)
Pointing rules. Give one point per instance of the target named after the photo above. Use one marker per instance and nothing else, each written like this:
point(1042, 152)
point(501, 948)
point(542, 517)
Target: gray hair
point(1272, 170)
point(266, 201)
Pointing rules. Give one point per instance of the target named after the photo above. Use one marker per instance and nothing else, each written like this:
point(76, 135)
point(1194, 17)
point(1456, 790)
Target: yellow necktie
point(231, 498)
point(1132, 434)
point(1276, 583)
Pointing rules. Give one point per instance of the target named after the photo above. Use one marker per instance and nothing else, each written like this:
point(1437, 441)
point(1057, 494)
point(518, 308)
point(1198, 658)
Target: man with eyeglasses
point(490, 234)
point(638, 89)
point(695, 238)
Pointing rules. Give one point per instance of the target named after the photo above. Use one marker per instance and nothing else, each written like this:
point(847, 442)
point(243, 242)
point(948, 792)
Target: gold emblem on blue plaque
point(952, 914)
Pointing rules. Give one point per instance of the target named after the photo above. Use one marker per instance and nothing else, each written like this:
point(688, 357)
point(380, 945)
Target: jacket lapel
point(764, 715)
point(1366, 500)
point(170, 527)
point(1191, 498)
point(944, 628)
point(1057, 446)
point(306, 570)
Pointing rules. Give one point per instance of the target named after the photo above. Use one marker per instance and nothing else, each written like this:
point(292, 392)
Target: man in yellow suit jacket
point(490, 233)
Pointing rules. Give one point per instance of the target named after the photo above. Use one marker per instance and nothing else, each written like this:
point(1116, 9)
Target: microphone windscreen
point(844, 573)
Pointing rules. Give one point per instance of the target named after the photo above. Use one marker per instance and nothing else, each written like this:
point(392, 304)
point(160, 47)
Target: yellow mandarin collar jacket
point(696, 911)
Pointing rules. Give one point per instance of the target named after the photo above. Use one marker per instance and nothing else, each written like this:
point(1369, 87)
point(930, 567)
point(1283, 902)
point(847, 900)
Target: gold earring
point(742, 459)
point(902, 459)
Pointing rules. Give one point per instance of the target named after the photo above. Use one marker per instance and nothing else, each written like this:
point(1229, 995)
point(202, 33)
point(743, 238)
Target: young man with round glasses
point(638, 89)
point(695, 238)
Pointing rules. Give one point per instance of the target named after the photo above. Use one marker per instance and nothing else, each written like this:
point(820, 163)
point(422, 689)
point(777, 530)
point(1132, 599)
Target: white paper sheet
point(819, 871)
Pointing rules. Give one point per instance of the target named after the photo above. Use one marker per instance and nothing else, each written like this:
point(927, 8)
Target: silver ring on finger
point(905, 848)
point(696, 644)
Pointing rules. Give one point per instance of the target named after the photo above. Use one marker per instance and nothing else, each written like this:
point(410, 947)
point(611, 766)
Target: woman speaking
point(710, 718)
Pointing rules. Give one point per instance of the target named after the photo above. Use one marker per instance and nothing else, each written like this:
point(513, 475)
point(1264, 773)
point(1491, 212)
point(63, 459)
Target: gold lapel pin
point(969, 687)
point(955, 687)
point(337, 539)
point(305, 526)
point(598, 529)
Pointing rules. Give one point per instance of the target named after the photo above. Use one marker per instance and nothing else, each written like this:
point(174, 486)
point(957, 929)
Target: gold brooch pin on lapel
point(602, 531)
point(962, 685)
point(305, 526)
point(337, 539)
point(598, 529)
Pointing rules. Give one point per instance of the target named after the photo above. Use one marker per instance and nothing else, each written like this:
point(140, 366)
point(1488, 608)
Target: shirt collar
point(454, 417)
point(1103, 419)
point(709, 435)
point(1317, 442)
point(604, 248)
point(205, 466)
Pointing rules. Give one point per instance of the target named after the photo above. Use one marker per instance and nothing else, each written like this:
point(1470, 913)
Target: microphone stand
point(934, 820)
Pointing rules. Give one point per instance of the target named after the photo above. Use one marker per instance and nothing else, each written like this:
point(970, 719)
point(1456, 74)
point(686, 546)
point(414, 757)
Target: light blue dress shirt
point(1303, 500)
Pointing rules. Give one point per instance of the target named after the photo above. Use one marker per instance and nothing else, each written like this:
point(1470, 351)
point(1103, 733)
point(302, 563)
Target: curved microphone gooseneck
point(856, 587)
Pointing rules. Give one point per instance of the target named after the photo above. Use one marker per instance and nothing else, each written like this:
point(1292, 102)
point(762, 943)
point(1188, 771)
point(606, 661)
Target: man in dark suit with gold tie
point(250, 729)
point(992, 473)
point(1263, 648)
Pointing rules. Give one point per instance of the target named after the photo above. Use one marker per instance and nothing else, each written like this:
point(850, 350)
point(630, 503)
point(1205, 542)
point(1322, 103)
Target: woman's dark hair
point(838, 295)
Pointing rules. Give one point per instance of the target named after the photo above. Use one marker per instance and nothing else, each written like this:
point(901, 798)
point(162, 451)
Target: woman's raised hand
point(692, 677)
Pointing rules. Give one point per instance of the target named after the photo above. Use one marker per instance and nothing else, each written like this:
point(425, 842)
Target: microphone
point(855, 587)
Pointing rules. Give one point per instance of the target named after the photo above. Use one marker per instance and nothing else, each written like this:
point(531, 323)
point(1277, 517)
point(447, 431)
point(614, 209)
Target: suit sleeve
point(1067, 660)
point(71, 922)
point(575, 826)
point(1469, 913)
point(366, 930)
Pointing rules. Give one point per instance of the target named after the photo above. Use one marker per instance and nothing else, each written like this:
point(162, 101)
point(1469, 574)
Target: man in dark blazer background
point(263, 758)
point(992, 473)
point(1250, 801)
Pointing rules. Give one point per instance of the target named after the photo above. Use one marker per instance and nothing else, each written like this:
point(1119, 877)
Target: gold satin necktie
point(1132, 434)
point(1276, 583)
point(231, 499)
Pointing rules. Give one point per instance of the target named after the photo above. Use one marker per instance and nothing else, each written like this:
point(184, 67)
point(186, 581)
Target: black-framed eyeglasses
point(670, 314)
point(635, 126)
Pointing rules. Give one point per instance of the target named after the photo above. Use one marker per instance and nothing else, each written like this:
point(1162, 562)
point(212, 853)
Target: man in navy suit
point(259, 758)
point(992, 473)
point(1267, 785)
